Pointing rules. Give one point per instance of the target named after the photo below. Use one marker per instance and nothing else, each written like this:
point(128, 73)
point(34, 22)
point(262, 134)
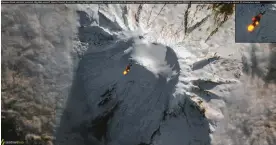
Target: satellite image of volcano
point(135, 74)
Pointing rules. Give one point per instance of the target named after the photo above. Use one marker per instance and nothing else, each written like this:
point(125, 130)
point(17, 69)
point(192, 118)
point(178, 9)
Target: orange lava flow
point(126, 71)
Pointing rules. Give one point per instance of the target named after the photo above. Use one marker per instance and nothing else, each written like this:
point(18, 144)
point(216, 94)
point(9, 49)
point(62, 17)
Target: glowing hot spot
point(250, 28)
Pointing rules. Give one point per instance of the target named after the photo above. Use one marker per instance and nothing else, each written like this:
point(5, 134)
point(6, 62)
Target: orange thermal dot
point(125, 72)
point(250, 28)
point(257, 22)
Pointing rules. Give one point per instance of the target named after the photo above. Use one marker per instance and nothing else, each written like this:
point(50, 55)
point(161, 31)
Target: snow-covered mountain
point(189, 82)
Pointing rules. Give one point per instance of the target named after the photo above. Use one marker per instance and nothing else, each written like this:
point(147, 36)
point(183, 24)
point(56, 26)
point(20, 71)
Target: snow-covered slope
point(186, 85)
point(145, 114)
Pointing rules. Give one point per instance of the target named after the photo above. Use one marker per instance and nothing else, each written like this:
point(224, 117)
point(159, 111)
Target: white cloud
point(152, 57)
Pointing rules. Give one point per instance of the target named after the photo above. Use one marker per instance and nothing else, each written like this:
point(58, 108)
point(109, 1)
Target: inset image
point(255, 23)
